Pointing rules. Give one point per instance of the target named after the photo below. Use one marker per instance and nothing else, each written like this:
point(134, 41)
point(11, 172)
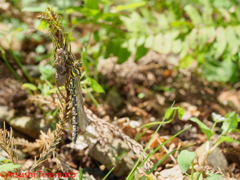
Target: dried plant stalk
point(100, 124)
point(7, 144)
point(53, 138)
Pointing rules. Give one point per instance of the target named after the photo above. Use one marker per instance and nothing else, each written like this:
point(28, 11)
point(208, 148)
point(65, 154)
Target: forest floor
point(137, 93)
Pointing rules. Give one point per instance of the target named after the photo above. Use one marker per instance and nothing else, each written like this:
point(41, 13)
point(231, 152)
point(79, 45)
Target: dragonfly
point(70, 69)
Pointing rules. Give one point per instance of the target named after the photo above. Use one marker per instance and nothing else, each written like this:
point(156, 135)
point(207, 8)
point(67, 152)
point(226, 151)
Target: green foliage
point(227, 139)
point(185, 159)
point(206, 130)
point(172, 112)
point(141, 95)
point(6, 166)
point(30, 86)
point(180, 112)
point(230, 122)
point(213, 176)
point(81, 174)
point(2, 158)
point(108, 173)
point(40, 49)
point(9, 167)
point(210, 36)
point(96, 87)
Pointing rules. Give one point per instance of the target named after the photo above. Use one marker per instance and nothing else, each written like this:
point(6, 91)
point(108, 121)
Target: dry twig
point(7, 144)
point(100, 124)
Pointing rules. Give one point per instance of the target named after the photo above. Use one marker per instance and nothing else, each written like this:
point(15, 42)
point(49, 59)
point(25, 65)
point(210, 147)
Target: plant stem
point(192, 170)
point(215, 123)
point(8, 65)
point(21, 66)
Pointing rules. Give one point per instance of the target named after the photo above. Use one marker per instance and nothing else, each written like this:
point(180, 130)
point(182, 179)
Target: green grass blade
point(21, 66)
point(91, 96)
point(81, 174)
point(9, 66)
point(108, 173)
point(165, 142)
point(149, 155)
point(164, 157)
point(135, 166)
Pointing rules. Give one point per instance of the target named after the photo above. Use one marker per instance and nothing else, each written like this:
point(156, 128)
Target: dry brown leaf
point(174, 173)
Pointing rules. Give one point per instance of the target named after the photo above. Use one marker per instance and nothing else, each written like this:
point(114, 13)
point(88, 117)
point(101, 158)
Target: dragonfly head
point(78, 63)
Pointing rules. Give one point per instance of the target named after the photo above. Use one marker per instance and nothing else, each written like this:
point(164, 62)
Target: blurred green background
point(204, 33)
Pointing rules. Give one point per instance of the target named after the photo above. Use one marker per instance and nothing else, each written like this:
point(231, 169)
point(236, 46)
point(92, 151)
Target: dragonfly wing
point(82, 117)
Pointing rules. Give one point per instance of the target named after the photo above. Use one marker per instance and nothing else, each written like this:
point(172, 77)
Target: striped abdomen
point(79, 115)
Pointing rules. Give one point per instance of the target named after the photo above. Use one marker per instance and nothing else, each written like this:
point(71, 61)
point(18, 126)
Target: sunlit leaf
point(141, 95)
point(237, 10)
point(237, 29)
point(232, 39)
point(185, 159)
point(158, 42)
point(211, 33)
point(85, 63)
point(140, 41)
point(90, 12)
point(149, 41)
point(137, 23)
point(214, 176)
point(230, 122)
point(225, 14)
point(192, 37)
point(186, 61)
point(9, 167)
point(168, 113)
point(193, 14)
point(91, 4)
point(163, 21)
point(221, 41)
point(148, 15)
point(176, 46)
point(2, 158)
point(184, 52)
point(130, 6)
point(207, 13)
point(171, 16)
point(206, 130)
point(96, 87)
point(174, 34)
point(202, 37)
point(167, 43)
point(30, 86)
point(180, 112)
point(200, 177)
point(227, 139)
point(134, 23)
point(35, 9)
point(131, 44)
point(40, 49)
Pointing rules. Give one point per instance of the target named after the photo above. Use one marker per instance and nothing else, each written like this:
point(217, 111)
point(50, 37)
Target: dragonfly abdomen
point(74, 103)
point(79, 115)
